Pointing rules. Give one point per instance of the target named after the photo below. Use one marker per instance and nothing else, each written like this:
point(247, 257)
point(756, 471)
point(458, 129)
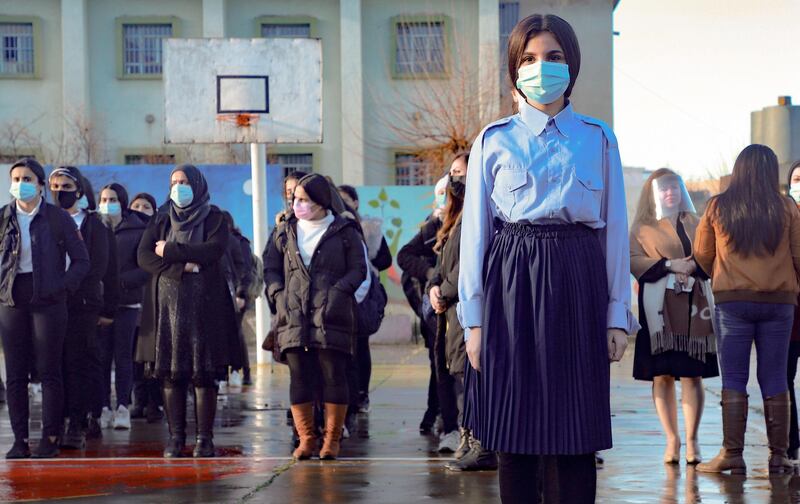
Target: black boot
point(2, 392)
point(46, 448)
point(247, 379)
point(20, 450)
point(93, 430)
point(74, 438)
point(205, 410)
point(175, 406)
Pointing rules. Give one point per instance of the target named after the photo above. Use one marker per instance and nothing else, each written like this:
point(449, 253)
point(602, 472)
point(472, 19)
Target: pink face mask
point(303, 209)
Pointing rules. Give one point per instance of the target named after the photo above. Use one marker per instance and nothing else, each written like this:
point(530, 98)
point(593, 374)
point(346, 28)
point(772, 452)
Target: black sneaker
point(93, 430)
point(154, 414)
point(477, 459)
point(428, 420)
point(46, 449)
point(73, 437)
point(19, 450)
point(137, 411)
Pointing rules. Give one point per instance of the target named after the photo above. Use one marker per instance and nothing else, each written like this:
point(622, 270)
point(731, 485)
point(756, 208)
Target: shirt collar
point(20, 211)
point(537, 120)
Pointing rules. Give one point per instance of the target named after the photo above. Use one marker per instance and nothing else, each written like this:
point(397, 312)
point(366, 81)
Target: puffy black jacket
point(315, 305)
point(132, 278)
point(417, 256)
point(52, 280)
point(89, 295)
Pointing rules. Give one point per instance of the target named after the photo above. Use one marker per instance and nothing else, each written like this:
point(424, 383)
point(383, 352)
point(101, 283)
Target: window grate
point(509, 17)
point(420, 47)
point(294, 30)
point(411, 170)
point(16, 45)
point(137, 159)
point(142, 48)
point(293, 162)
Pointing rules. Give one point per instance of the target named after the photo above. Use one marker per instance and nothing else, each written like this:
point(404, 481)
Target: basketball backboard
point(243, 90)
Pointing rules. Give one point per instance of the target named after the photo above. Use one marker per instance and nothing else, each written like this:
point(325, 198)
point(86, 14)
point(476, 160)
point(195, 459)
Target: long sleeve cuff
point(470, 314)
point(620, 317)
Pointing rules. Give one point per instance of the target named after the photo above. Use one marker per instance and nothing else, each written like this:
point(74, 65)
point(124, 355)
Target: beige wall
point(119, 107)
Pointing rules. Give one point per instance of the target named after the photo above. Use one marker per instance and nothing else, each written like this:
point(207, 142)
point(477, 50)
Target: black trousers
point(791, 372)
point(433, 396)
point(364, 359)
point(531, 479)
point(33, 340)
point(445, 383)
point(313, 368)
point(79, 347)
point(146, 389)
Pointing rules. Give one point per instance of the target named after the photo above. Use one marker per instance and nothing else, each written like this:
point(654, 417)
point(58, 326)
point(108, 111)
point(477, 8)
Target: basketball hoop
point(243, 120)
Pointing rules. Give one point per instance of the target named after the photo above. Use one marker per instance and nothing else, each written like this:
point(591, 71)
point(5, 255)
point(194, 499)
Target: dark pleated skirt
point(184, 350)
point(544, 383)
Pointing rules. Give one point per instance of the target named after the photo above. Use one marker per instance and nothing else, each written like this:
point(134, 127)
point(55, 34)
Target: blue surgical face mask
point(182, 195)
point(544, 81)
point(83, 202)
point(111, 209)
point(23, 191)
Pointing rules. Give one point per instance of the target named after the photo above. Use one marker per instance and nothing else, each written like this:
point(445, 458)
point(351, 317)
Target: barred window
point(509, 16)
point(142, 48)
point(293, 162)
point(411, 170)
point(420, 47)
point(277, 30)
point(137, 159)
point(16, 44)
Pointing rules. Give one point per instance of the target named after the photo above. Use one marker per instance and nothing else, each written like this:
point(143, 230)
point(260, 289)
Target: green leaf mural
point(394, 204)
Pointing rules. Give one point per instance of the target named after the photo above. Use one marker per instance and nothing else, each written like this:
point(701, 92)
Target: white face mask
point(794, 192)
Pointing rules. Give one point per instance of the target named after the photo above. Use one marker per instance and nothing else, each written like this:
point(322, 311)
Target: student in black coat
point(118, 336)
point(85, 306)
point(188, 332)
point(36, 241)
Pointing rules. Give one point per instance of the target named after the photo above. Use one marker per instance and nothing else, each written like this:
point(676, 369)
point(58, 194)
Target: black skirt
point(544, 383)
point(184, 348)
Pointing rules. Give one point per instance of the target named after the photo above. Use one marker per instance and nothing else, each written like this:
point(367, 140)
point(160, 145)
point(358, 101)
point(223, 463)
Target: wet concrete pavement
point(385, 461)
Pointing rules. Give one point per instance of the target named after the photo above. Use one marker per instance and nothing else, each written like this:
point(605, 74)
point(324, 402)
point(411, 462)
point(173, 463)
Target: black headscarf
point(187, 223)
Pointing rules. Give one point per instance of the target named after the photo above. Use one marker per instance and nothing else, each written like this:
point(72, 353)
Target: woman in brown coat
point(679, 346)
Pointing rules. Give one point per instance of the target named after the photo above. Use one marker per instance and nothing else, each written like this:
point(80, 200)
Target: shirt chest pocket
point(589, 184)
point(509, 184)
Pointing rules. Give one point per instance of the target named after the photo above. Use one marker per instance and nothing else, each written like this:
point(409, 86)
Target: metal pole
point(258, 176)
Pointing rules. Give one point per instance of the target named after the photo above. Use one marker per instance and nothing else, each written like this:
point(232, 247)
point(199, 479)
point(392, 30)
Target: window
point(411, 170)
point(142, 47)
point(136, 159)
point(296, 30)
point(420, 47)
point(286, 27)
point(509, 17)
point(293, 162)
point(16, 48)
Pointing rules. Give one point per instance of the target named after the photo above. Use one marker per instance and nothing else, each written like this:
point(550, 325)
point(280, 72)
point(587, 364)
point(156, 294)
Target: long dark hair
point(752, 211)
point(646, 210)
point(452, 210)
point(534, 25)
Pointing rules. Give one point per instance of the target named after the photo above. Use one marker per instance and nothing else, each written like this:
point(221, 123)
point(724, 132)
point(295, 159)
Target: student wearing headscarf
point(313, 267)
point(188, 332)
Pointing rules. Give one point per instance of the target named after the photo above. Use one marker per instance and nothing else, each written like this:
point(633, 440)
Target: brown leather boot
point(303, 416)
point(734, 423)
point(776, 413)
point(334, 423)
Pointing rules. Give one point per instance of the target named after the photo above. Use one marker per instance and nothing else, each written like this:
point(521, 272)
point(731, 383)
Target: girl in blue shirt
point(544, 287)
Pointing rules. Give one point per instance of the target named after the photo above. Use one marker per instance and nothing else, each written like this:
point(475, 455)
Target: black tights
point(314, 368)
point(525, 478)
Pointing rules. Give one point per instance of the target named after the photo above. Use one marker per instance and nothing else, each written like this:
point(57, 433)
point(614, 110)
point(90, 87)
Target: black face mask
point(458, 186)
point(65, 199)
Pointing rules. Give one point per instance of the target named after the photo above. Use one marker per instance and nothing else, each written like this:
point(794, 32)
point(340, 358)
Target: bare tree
point(81, 141)
point(17, 140)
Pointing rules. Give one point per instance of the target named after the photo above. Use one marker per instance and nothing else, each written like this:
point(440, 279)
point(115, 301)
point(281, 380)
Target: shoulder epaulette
point(607, 131)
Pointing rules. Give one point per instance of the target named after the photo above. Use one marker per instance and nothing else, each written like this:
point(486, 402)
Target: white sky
point(687, 74)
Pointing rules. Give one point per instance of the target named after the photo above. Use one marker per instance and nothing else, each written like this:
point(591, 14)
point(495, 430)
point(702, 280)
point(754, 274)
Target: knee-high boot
point(776, 413)
point(734, 424)
point(175, 406)
point(205, 410)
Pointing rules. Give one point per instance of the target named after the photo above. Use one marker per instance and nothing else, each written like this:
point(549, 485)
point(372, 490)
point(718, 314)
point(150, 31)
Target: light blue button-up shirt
point(538, 169)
